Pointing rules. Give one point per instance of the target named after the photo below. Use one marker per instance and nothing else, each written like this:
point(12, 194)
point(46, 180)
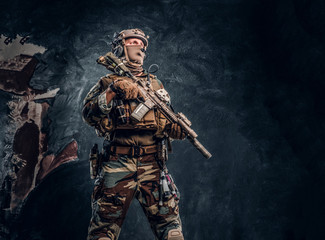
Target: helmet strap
point(125, 51)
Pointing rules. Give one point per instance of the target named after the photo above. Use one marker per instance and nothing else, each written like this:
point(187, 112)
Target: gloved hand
point(125, 89)
point(175, 131)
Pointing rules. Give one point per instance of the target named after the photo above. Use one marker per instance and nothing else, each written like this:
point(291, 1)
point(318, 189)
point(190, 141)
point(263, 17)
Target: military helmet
point(119, 39)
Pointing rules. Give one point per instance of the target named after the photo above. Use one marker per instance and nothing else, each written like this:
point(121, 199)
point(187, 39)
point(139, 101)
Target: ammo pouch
point(163, 149)
point(162, 153)
point(94, 161)
point(96, 158)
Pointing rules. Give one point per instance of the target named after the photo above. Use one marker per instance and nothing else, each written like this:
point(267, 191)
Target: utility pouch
point(119, 105)
point(169, 145)
point(106, 151)
point(94, 161)
point(162, 153)
point(167, 187)
point(141, 110)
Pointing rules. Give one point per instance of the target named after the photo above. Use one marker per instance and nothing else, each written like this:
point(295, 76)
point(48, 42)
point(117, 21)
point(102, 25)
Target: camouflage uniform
point(125, 176)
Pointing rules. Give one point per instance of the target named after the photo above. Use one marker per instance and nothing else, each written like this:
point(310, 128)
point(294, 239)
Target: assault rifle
point(152, 99)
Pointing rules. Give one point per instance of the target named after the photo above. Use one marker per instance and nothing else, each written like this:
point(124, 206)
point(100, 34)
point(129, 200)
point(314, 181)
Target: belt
point(134, 151)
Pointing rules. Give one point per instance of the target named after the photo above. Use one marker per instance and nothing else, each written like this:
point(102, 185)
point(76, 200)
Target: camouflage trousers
point(123, 178)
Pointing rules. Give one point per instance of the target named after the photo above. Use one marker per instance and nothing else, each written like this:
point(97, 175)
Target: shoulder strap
point(156, 84)
point(105, 81)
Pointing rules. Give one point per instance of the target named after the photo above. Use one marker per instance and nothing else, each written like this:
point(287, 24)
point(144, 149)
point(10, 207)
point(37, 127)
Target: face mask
point(136, 54)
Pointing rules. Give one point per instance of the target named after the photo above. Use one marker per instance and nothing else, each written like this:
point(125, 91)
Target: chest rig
point(153, 120)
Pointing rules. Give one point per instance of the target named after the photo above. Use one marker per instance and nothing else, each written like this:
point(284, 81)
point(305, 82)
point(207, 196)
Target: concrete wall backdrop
point(247, 73)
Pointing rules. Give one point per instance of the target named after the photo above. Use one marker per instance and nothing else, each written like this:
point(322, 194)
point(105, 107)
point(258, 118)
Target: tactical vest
point(153, 120)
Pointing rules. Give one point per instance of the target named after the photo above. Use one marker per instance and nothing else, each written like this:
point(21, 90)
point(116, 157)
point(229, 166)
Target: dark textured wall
point(248, 74)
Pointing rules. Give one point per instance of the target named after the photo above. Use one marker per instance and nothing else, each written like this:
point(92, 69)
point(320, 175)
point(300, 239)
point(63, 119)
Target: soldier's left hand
point(175, 131)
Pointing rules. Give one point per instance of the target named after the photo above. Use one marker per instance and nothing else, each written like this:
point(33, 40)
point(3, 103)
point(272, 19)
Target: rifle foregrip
point(200, 147)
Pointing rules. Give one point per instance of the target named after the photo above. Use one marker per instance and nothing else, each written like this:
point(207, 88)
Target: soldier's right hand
point(125, 89)
point(175, 131)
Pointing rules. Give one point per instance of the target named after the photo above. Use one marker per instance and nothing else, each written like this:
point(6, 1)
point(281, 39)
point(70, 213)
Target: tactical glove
point(175, 131)
point(125, 89)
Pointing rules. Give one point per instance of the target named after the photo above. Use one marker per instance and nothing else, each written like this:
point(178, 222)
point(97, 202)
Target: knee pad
point(175, 234)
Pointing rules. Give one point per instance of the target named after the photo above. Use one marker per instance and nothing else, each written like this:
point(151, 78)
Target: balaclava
point(132, 56)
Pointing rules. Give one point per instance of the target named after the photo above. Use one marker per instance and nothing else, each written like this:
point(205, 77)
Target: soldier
point(133, 164)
